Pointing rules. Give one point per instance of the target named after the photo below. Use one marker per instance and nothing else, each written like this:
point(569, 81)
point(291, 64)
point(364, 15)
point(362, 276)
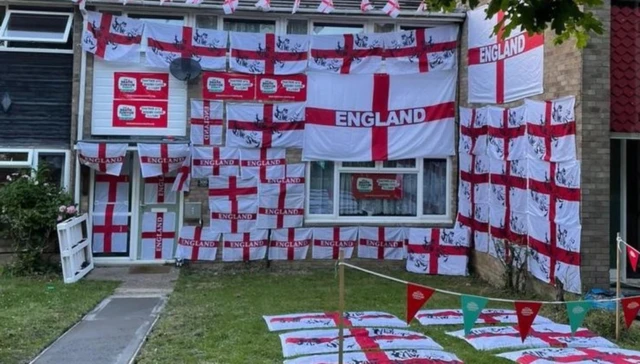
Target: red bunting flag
point(630, 307)
point(417, 296)
point(633, 257)
point(527, 312)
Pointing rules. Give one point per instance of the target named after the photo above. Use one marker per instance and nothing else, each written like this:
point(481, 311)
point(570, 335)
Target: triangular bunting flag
point(417, 296)
point(630, 307)
point(472, 306)
point(633, 257)
point(527, 312)
point(577, 312)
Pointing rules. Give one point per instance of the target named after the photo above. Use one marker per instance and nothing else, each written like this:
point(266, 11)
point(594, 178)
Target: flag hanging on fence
point(112, 38)
point(289, 244)
point(265, 125)
point(215, 161)
point(206, 122)
point(268, 53)
point(158, 235)
point(328, 242)
point(103, 157)
point(347, 53)
point(421, 50)
point(245, 246)
point(160, 159)
point(197, 243)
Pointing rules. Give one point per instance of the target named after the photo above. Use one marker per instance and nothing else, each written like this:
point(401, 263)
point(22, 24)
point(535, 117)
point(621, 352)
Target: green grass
point(217, 318)
point(35, 311)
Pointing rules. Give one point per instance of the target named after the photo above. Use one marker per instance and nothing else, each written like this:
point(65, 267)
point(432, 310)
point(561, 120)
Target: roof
point(625, 69)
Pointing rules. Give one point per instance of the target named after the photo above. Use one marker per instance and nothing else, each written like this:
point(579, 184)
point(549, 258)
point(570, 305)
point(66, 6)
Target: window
point(326, 28)
point(398, 191)
point(26, 161)
point(249, 26)
point(297, 26)
point(384, 28)
point(36, 26)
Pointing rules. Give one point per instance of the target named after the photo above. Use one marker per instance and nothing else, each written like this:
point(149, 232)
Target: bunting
point(472, 307)
point(417, 297)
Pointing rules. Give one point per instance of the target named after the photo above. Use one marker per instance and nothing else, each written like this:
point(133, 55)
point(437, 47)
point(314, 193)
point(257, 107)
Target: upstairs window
point(36, 26)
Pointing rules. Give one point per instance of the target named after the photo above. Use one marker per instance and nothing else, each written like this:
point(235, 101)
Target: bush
point(30, 206)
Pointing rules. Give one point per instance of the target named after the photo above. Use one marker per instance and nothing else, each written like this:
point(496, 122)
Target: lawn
point(35, 311)
point(217, 318)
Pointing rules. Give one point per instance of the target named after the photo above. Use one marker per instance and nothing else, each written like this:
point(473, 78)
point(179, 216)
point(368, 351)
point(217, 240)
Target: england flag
point(421, 50)
point(293, 181)
point(289, 244)
point(231, 188)
point(506, 133)
point(110, 228)
point(111, 189)
point(160, 159)
point(551, 129)
point(103, 157)
point(382, 243)
point(438, 251)
point(197, 243)
point(206, 122)
point(265, 125)
point(346, 53)
point(268, 53)
point(328, 242)
point(112, 38)
point(399, 356)
point(245, 246)
point(157, 190)
point(263, 164)
point(233, 216)
point(279, 207)
point(215, 161)
point(158, 235)
point(473, 131)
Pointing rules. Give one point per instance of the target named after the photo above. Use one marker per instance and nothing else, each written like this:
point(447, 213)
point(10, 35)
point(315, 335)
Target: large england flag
point(197, 243)
point(346, 53)
point(421, 50)
point(167, 43)
point(289, 244)
point(502, 70)
point(206, 122)
point(215, 161)
point(158, 235)
point(378, 117)
point(551, 129)
point(328, 242)
point(400, 356)
point(103, 157)
point(245, 246)
point(110, 228)
point(279, 206)
point(265, 125)
point(572, 355)
point(438, 251)
point(268, 53)
point(160, 159)
point(383, 243)
point(263, 164)
point(233, 216)
point(112, 38)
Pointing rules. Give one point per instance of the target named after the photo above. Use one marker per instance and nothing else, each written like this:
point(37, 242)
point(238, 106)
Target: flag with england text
point(197, 243)
point(103, 157)
point(245, 247)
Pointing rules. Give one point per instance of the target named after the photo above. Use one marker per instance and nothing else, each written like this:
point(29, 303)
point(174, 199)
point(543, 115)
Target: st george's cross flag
point(382, 243)
point(268, 53)
point(160, 159)
point(399, 356)
point(251, 125)
point(438, 251)
point(289, 244)
point(263, 164)
point(554, 190)
point(323, 320)
point(473, 130)
point(506, 133)
point(508, 199)
point(112, 38)
point(264, 5)
point(365, 6)
point(103, 157)
point(329, 241)
point(157, 190)
point(293, 181)
point(110, 228)
point(111, 189)
point(392, 8)
point(230, 6)
point(233, 216)
point(228, 188)
point(488, 316)
point(215, 161)
point(158, 235)
point(421, 50)
point(182, 182)
point(502, 70)
point(167, 42)
point(380, 117)
point(551, 129)
point(206, 122)
point(346, 53)
point(325, 6)
point(245, 246)
point(280, 205)
point(574, 355)
point(197, 243)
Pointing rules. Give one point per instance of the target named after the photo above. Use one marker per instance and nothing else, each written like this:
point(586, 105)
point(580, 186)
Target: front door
point(633, 201)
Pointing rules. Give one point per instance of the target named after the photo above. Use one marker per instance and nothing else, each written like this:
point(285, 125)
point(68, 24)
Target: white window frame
point(61, 40)
point(33, 161)
point(420, 218)
point(17, 164)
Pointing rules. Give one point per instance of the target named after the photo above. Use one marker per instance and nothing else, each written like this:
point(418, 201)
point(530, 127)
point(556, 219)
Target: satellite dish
point(185, 69)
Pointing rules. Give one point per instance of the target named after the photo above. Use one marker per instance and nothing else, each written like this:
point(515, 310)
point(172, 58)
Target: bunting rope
point(444, 291)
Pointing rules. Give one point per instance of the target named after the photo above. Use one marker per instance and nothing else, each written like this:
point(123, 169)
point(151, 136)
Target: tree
point(567, 18)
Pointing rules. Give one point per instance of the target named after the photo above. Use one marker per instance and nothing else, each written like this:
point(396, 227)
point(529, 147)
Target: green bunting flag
point(577, 312)
point(471, 308)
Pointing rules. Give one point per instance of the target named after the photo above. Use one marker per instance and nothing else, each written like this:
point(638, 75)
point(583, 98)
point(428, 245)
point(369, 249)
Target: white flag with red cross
point(551, 129)
point(380, 117)
point(158, 235)
point(502, 70)
point(206, 122)
point(268, 53)
point(110, 228)
point(326, 6)
point(263, 164)
point(229, 188)
point(293, 181)
point(554, 191)
point(514, 253)
point(392, 8)
point(398, 356)
point(555, 253)
point(438, 251)
point(365, 6)
point(587, 355)
point(197, 243)
point(328, 242)
point(167, 42)
point(279, 207)
point(103, 157)
point(111, 189)
point(230, 6)
point(265, 125)
point(323, 320)
point(264, 5)
point(161, 159)
point(421, 50)
point(488, 316)
point(346, 53)
point(506, 133)
point(289, 244)
point(157, 190)
point(112, 38)
point(473, 131)
point(474, 174)
point(508, 199)
point(215, 161)
point(382, 243)
point(233, 216)
point(245, 246)
point(182, 181)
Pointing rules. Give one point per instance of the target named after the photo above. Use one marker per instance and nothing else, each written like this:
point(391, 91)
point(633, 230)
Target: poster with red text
point(136, 85)
point(281, 87)
point(376, 186)
point(140, 113)
point(228, 86)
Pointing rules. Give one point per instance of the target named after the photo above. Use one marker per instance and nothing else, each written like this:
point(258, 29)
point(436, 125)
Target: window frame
point(34, 160)
point(420, 218)
point(63, 40)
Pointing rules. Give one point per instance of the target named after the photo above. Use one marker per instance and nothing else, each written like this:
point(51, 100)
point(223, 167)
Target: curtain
point(321, 188)
point(406, 206)
point(434, 187)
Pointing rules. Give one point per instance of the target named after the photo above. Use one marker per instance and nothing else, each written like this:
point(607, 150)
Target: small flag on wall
point(417, 296)
point(527, 312)
point(472, 306)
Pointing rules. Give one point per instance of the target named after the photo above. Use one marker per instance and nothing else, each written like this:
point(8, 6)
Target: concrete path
point(115, 330)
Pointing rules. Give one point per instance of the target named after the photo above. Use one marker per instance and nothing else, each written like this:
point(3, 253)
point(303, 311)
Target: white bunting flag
point(326, 6)
point(502, 70)
point(551, 129)
point(233, 216)
point(572, 355)
point(245, 246)
point(158, 235)
point(183, 177)
point(382, 243)
point(206, 122)
point(157, 190)
point(263, 163)
point(438, 251)
point(161, 159)
point(230, 188)
point(473, 131)
point(323, 320)
point(399, 356)
point(167, 43)
point(506, 133)
point(380, 117)
point(289, 244)
point(103, 157)
point(421, 50)
point(110, 228)
point(328, 242)
point(392, 8)
point(265, 125)
point(230, 6)
point(215, 161)
point(268, 53)
point(197, 243)
point(112, 38)
point(111, 189)
point(346, 53)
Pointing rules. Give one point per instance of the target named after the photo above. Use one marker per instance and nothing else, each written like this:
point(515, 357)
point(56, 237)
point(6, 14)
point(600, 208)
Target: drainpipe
point(80, 131)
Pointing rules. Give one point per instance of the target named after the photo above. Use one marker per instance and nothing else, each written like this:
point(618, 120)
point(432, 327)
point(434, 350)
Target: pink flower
point(59, 218)
point(62, 208)
point(71, 210)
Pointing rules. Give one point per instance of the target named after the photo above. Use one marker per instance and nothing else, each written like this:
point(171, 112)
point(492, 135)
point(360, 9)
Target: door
point(632, 199)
